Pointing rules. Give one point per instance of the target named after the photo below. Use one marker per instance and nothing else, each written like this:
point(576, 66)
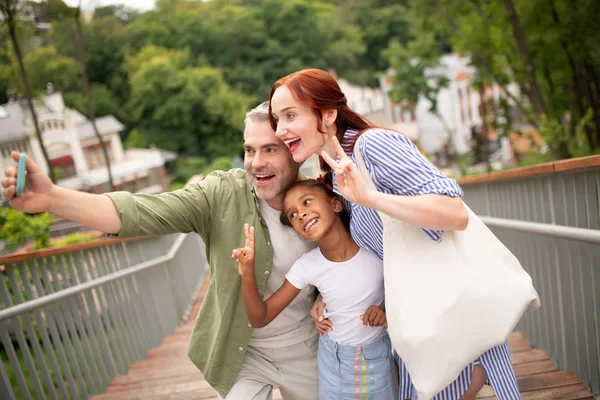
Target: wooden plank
point(150, 375)
point(155, 380)
point(535, 368)
point(571, 392)
point(158, 362)
point(487, 392)
point(167, 373)
point(529, 356)
point(559, 382)
point(518, 346)
point(547, 380)
point(177, 338)
point(199, 389)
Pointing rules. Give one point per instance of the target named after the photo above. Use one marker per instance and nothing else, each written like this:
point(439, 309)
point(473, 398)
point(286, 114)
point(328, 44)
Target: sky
point(89, 5)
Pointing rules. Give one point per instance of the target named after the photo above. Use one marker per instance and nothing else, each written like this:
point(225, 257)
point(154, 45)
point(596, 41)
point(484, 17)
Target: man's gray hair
point(258, 113)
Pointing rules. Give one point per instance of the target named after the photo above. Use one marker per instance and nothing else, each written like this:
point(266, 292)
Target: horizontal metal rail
point(31, 305)
point(557, 231)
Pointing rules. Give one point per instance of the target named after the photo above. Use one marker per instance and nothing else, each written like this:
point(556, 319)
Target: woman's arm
point(427, 211)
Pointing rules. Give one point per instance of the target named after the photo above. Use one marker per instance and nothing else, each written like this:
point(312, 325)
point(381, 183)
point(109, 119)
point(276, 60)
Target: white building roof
point(12, 125)
point(106, 125)
point(136, 161)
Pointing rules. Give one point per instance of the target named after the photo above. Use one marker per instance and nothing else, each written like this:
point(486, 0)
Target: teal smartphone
point(21, 174)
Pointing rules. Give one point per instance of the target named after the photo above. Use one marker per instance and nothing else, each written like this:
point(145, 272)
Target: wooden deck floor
point(167, 373)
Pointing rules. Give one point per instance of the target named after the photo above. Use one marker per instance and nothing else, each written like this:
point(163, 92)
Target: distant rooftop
point(14, 114)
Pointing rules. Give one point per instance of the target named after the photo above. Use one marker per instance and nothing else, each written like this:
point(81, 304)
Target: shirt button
point(269, 243)
point(266, 272)
point(249, 325)
point(241, 348)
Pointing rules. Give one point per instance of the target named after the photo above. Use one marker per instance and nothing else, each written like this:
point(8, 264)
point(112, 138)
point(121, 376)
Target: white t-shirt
point(294, 324)
point(348, 289)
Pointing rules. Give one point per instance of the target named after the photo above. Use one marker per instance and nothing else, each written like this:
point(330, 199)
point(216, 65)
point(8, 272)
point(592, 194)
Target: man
point(239, 362)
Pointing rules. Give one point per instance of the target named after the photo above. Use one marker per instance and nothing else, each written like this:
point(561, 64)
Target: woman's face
point(296, 125)
point(311, 212)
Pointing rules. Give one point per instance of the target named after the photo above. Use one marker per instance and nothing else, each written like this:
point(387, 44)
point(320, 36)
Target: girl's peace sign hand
point(245, 255)
point(350, 182)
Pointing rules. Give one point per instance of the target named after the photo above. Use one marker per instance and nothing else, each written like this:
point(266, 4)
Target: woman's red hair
point(318, 90)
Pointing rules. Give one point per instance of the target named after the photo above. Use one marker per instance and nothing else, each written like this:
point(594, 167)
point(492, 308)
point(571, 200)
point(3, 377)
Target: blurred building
point(462, 109)
point(372, 104)
point(74, 151)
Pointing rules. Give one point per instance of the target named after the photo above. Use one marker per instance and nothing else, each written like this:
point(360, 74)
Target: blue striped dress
point(397, 167)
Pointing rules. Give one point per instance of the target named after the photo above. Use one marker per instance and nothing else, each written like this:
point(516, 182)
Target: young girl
point(354, 358)
point(310, 114)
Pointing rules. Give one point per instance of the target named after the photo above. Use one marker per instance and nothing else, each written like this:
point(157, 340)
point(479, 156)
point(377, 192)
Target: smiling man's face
point(268, 162)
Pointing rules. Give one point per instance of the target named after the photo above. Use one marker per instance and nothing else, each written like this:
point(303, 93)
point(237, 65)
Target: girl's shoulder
point(311, 256)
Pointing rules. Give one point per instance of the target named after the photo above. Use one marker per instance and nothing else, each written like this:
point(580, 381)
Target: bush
point(18, 228)
point(74, 238)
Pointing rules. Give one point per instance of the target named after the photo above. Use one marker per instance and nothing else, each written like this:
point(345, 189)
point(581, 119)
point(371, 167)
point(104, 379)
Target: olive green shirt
point(216, 209)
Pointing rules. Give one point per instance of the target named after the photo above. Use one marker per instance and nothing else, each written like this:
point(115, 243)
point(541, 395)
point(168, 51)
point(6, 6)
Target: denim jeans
point(361, 372)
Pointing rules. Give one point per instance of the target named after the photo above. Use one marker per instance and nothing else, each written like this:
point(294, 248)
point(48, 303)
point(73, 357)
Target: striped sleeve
point(397, 166)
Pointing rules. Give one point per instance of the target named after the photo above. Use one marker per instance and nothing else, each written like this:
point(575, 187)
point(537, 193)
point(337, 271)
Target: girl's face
point(297, 125)
point(311, 212)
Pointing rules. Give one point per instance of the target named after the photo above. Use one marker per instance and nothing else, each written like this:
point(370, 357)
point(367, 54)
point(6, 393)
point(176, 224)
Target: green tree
point(418, 74)
point(85, 83)
point(547, 47)
point(11, 11)
point(254, 43)
point(124, 14)
point(105, 102)
point(106, 42)
point(45, 65)
point(380, 22)
point(185, 108)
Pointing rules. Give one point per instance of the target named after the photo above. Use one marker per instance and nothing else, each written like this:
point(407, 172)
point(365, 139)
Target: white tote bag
point(448, 302)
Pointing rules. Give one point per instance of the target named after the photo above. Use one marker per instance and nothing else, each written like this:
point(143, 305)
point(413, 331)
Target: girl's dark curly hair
point(323, 185)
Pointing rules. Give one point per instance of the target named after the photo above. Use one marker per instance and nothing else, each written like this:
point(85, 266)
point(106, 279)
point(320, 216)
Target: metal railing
point(548, 216)
point(72, 319)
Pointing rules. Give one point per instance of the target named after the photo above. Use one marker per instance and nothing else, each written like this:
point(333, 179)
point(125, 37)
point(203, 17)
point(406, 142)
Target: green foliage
point(557, 136)
point(105, 102)
point(52, 10)
point(184, 73)
point(137, 140)
point(536, 157)
point(378, 22)
point(16, 228)
point(123, 14)
point(413, 71)
point(190, 166)
point(43, 65)
point(555, 65)
point(219, 164)
point(191, 110)
point(75, 238)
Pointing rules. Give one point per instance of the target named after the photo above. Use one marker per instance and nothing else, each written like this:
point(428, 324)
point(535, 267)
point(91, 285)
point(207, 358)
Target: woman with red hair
point(310, 114)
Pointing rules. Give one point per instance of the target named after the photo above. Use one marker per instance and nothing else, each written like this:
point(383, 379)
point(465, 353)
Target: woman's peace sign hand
point(350, 182)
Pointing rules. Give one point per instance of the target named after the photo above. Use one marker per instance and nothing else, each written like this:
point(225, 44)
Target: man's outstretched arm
point(119, 213)
point(41, 195)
